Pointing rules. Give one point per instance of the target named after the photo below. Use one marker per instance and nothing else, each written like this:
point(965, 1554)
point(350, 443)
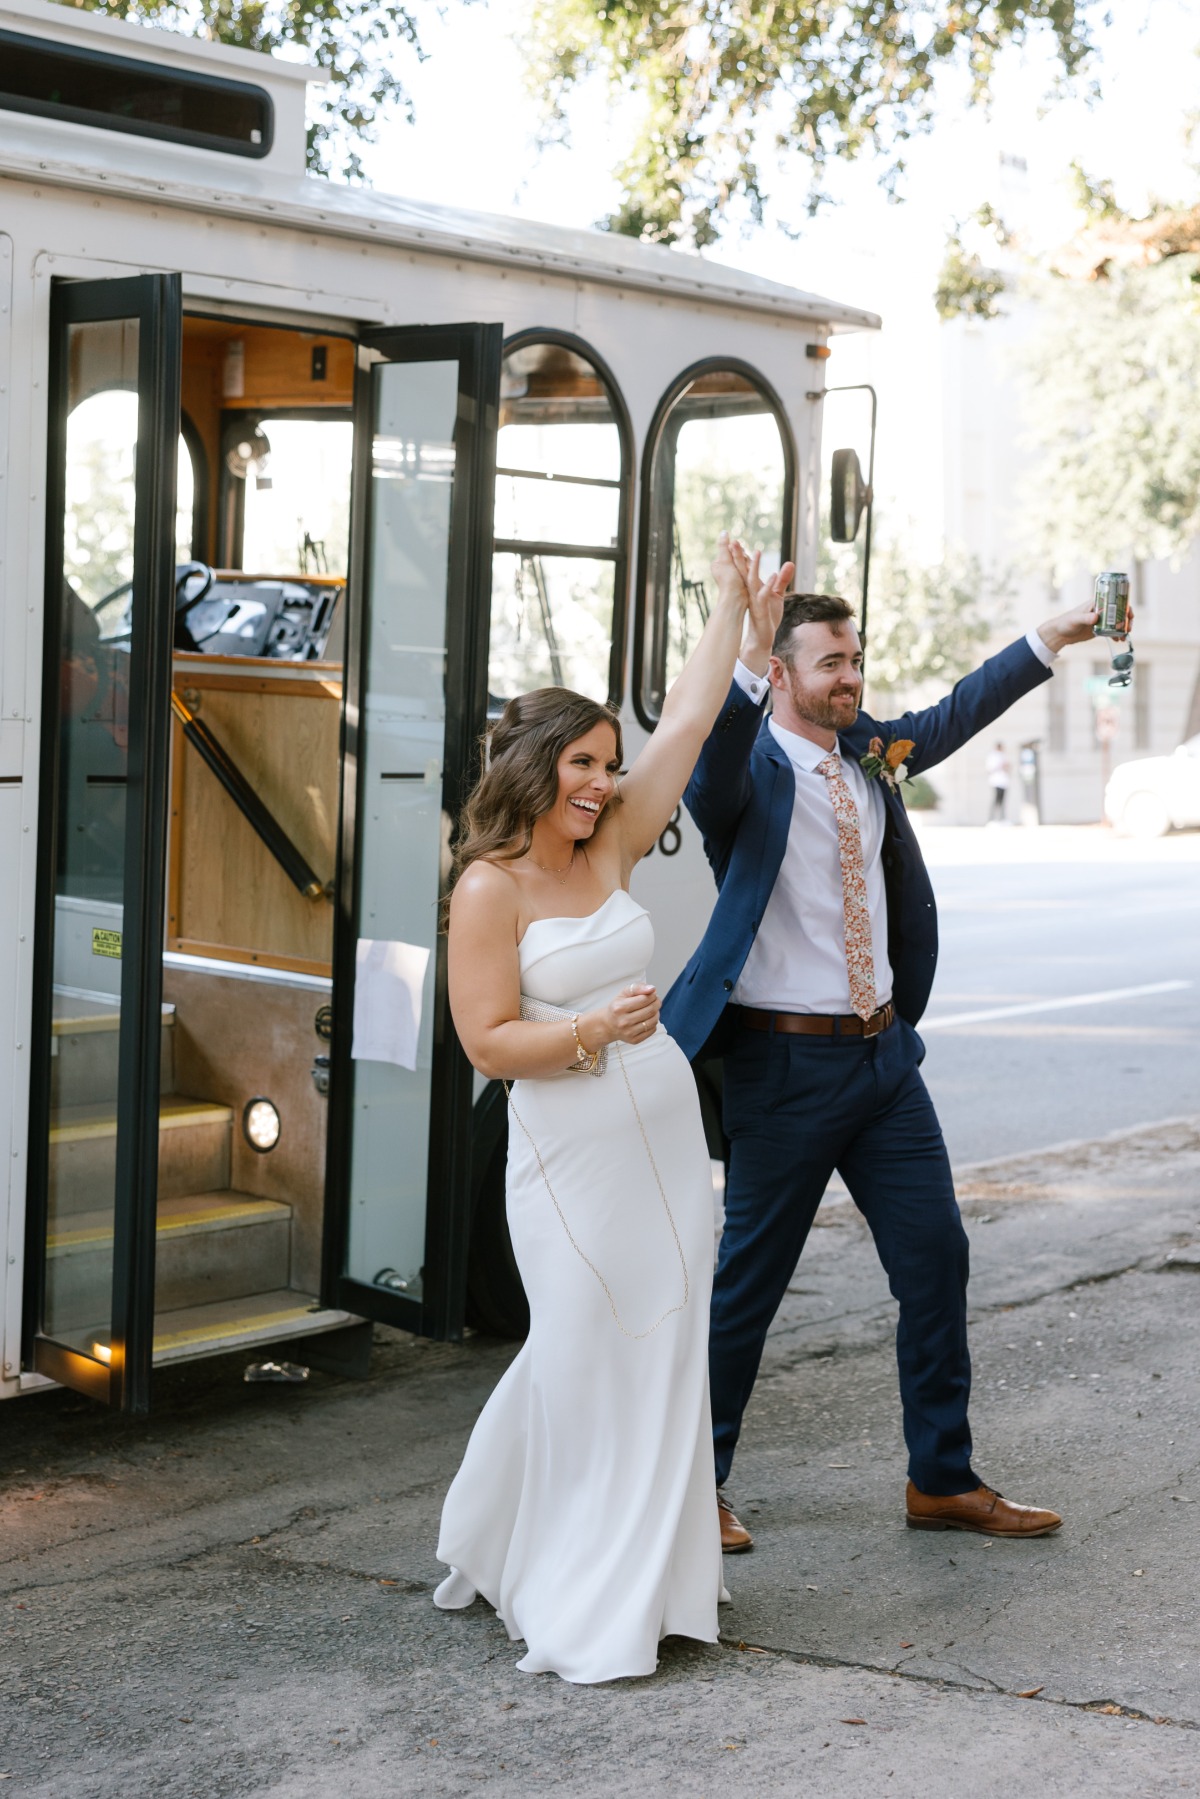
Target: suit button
point(729, 986)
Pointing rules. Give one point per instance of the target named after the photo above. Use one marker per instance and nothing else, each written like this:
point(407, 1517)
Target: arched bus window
point(191, 495)
point(559, 568)
point(101, 439)
point(719, 458)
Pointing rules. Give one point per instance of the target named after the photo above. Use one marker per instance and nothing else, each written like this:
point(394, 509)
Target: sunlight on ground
point(966, 846)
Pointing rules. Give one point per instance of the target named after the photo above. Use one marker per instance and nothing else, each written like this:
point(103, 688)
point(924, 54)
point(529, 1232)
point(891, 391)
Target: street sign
point(1108, 723)
point(1101, 694)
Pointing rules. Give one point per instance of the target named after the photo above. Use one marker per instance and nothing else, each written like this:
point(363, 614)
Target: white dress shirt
point(797, 962)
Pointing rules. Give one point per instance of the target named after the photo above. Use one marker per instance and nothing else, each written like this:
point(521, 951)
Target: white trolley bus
point(279, 530)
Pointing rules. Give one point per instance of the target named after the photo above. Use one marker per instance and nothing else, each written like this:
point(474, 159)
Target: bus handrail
point(256, 813)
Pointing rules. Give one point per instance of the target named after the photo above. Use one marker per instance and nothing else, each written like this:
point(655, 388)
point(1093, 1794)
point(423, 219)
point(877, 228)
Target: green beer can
point(1112, 604)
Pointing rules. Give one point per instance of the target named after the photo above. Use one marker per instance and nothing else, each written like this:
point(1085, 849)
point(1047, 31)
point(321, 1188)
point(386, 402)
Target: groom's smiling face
point(819, 681)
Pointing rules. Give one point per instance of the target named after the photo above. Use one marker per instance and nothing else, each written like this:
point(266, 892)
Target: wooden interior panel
point(273, 372)
point(200, 399)
point(227, 895)
point(275, 366)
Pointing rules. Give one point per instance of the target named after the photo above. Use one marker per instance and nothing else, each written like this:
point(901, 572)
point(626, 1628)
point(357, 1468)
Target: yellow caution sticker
point(107, 943)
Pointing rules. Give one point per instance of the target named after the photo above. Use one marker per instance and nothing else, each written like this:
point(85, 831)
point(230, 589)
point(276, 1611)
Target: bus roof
point(54, 152)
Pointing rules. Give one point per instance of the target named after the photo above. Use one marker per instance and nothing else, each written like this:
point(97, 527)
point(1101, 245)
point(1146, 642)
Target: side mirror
point(849, 496)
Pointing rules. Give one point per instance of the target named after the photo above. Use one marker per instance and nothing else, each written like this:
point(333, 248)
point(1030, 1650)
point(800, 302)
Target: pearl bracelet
point(583, 1058)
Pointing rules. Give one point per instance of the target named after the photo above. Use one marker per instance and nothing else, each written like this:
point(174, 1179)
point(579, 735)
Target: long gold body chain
point(635, 1336)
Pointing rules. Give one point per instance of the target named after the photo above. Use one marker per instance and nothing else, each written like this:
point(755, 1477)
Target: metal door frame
point(478, 351)
point(156, 302)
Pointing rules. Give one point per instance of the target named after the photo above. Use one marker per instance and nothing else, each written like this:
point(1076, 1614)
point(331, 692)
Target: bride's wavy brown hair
point(519, 779)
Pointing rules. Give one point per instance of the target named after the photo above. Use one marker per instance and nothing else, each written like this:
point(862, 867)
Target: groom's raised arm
point(717, 794)
point(980, 698)
point(972, 704)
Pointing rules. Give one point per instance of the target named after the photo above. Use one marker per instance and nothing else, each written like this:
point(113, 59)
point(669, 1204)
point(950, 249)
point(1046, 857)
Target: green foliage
point(98, 546)
point(1095, 199)
point(1107, 369)
point(965, 287)
point(824, 79)
point(729, 476)
point(353, 41)
point(716, 496)
point(1109, 385)
point(920, 794)
point(927, 622)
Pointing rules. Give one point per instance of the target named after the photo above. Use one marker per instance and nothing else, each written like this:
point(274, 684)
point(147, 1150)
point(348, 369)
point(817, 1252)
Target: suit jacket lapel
point(853, 744)
point(779, 815)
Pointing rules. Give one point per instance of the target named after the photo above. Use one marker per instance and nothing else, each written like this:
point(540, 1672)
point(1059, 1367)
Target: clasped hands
point(631, 1017)
point(739, 580)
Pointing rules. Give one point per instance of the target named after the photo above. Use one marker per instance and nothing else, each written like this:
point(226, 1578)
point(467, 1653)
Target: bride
point(585, 1510)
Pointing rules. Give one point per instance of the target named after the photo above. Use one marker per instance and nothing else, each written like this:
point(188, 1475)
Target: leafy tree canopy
point(712, 79)
point(1109, 378)
point(1109, 239)
point(354, 42)
point(928, 621)
point(1107, 367)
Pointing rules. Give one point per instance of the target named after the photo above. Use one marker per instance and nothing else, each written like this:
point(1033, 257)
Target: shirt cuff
point(754, 685)
point(1042, 651)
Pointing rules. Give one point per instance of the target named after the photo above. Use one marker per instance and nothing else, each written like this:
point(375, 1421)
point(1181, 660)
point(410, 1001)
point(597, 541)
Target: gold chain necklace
point(560, 874)
point(635, 1336)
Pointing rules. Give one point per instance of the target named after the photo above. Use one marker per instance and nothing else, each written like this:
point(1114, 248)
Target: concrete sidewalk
point(232, 1598)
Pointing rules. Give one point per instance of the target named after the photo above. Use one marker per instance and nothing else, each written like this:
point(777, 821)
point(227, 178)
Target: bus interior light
point(260, 1124)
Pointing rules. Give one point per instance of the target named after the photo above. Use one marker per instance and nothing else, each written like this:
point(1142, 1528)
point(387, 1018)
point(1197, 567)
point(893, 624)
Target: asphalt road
point(1037, 918)
point(231, 1599)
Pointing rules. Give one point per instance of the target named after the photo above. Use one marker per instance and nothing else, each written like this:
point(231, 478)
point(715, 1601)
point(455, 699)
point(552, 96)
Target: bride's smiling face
point(587, 780)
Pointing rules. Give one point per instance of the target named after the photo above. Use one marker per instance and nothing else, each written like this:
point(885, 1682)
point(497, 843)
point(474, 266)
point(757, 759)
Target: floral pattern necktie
point(860, 950)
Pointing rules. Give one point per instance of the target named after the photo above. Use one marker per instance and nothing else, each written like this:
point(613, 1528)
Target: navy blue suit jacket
point(741, 796)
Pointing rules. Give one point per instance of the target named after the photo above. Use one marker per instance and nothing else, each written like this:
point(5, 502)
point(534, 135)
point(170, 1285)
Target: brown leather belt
point(816, 1024)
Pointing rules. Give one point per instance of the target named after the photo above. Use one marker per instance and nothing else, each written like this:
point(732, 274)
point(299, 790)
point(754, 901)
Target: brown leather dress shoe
point(734, 1536)
point(984, 1511)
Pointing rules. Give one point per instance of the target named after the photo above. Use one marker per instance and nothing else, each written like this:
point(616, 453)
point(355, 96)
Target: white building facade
point(985, 464)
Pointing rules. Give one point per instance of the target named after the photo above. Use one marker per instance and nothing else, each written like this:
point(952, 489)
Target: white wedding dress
point(585, 1508)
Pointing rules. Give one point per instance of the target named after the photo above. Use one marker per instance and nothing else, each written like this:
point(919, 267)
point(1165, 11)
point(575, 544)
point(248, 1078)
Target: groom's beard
point(834, 711)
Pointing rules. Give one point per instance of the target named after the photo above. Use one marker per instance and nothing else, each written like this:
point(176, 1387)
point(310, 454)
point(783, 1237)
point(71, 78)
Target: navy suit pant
point(796, 1109)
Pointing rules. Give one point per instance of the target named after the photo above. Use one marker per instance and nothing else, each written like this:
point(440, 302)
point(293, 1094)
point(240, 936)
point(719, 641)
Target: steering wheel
point(189, 571)
point(186, 573)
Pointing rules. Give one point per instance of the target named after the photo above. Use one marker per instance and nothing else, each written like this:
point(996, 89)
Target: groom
point(810, 980)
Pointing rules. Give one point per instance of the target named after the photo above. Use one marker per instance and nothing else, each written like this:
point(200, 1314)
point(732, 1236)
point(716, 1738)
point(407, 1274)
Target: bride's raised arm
point(654, 785)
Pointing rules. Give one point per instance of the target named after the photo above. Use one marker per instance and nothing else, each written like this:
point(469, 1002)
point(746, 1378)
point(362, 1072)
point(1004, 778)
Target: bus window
point(187, 491)
point(558, 568)
point(297, 496)
point(720, 459)
point(98, 546)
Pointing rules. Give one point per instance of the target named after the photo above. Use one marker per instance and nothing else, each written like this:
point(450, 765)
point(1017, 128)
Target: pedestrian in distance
point(999, 774)
point(584, 1510)
point(810, 980)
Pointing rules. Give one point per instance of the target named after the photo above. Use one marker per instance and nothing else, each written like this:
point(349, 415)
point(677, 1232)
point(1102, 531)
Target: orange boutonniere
point(887, 765)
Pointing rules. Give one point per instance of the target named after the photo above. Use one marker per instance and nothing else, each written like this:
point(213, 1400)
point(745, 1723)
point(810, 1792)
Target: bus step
point(211, 1248)
point(278, 1317)
point(83, 1054)
point(195, 1139)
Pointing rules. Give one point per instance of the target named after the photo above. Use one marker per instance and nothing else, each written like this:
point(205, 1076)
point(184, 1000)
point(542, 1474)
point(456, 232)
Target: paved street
point(232, 1598)
point(1038, 918)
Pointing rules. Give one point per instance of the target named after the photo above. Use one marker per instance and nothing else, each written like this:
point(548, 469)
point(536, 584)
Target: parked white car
point(1147, 798)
